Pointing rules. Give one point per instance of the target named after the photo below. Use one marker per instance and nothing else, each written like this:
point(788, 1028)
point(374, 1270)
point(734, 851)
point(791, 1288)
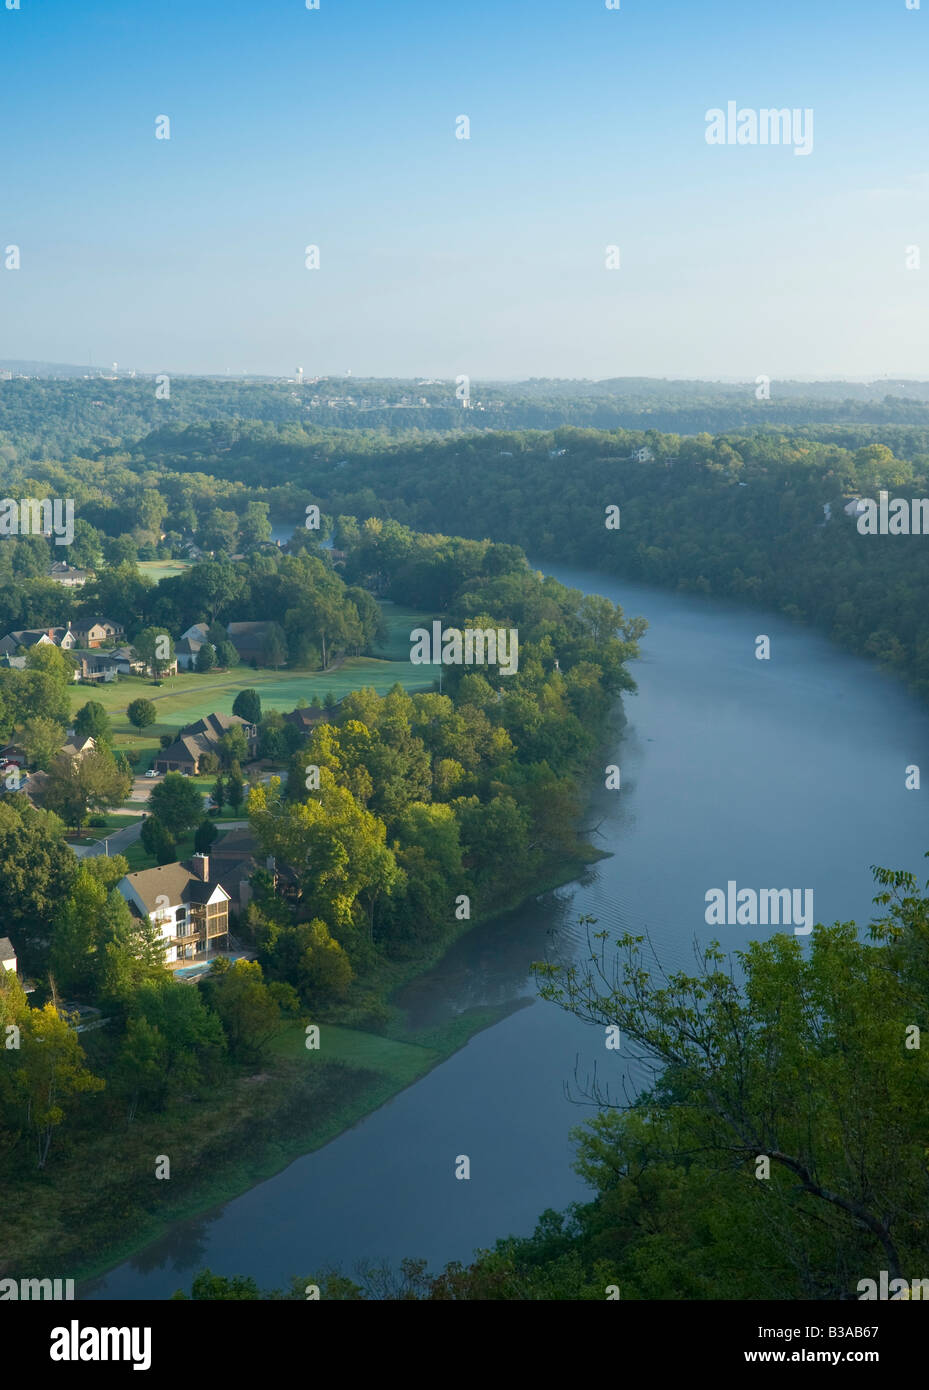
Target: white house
point(190, 909)
point(7, 955)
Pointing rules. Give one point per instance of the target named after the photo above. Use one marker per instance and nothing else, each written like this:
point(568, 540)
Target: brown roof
point(237, 844)
point(178, 882)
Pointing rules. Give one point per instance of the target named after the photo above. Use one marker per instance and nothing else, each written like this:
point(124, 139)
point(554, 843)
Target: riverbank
point(223, 1145)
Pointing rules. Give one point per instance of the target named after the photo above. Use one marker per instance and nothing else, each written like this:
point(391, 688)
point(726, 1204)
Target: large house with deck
point(190, 907)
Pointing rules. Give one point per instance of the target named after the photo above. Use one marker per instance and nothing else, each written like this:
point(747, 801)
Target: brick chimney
point(200, 865)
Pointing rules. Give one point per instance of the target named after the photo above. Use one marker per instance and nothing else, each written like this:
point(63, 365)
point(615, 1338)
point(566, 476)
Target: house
point(198, 632)
point(854, 506)
point(95, 666)
point(15, 663)
point(14, 753)
point(249, 639)
point(126, 661)
point(78, 746)
point(93, 632)
point(643, 455)
point(306, 718)
point(203, 737)
point(236, 857)
point(7, 954)
point(190, 907)
point(68, 575)
point(29, 637)
point(186, 650)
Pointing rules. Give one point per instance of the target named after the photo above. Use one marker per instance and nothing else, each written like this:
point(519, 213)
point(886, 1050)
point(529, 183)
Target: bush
point(97, 821)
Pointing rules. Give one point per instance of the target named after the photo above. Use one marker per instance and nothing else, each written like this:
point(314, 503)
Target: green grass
point(156, 570)
point(403, 1062)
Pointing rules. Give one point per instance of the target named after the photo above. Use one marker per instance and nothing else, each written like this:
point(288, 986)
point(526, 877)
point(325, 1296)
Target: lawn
point(156, 570)
point(188, 696)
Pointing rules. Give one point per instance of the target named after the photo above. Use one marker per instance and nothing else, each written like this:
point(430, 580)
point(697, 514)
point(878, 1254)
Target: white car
point(152, 773)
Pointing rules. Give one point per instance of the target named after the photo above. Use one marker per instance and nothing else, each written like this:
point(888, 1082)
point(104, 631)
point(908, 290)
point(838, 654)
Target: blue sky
point(441, 256)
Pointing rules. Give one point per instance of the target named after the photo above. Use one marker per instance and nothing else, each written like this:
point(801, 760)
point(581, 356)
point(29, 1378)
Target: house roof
point(6, 948)
point(190, 646)
point(185, 749)
point(176, 881)
point(85, 624)
point(236, 844)
point(213, 726)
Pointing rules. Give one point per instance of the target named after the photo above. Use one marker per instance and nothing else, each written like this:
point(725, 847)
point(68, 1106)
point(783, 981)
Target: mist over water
point(780, 773)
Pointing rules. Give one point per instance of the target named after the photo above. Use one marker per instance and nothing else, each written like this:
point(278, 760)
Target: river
point(781, 772)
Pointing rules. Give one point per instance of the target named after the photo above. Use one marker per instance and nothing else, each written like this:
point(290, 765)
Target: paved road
point(116, 841)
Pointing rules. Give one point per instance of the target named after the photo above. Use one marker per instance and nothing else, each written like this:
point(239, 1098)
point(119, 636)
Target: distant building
point(79, 746)
point(95, 666)
point(642, 455)
point(93, 632)
point(190, 907)
point(306, 718)
point(187, 649)
point(203, 737)
point(7, 955)
point(68, 575)
point(249, 639)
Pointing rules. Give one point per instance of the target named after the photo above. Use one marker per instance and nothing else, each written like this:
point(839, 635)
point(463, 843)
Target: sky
point(438, 256)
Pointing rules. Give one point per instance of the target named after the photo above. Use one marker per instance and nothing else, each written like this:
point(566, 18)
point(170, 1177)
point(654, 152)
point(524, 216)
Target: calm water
point(785, 772)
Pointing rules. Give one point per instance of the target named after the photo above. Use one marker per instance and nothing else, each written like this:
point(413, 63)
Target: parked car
point(152, 773)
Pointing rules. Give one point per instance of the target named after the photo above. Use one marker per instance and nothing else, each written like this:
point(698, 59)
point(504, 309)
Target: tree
point(206, 658)
point(234, 789)
point(51, 1071)
point(232, 748)
point(274, 647)
point(141, 713)
point(847, 1181)
point(155, 647)
point(93, 782)
point(226, 655)
point(42, 740)
point(93, 720)
point(250, 1010)
point(247, 705)
point(206, 834)
point(157, 841)
point(219, 793)
point(177, 803)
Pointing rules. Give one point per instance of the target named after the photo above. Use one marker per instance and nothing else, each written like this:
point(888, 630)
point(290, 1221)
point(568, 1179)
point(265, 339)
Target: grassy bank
point(78, 1217)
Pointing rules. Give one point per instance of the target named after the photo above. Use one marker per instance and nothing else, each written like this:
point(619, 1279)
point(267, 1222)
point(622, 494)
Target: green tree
point(155, 647)
point(206, 834)
point(93, 782)
point(177, 803)
point(206, 658)
point(141, 713)
point(247, 705)
point(42, 740)
point(157, 841)
point(252, 1012)
point(52, 1070)
point(92, 719)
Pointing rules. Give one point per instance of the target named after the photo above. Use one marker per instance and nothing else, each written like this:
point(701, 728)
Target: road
point(116, 842)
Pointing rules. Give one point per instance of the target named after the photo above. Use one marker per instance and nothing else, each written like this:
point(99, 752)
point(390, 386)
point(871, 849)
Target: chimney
point(200, 865)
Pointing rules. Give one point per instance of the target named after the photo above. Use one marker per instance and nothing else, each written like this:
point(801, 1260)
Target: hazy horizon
point(438, 256)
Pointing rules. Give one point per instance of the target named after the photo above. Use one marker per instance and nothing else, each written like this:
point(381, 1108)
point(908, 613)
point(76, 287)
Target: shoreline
point(274, 1157)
